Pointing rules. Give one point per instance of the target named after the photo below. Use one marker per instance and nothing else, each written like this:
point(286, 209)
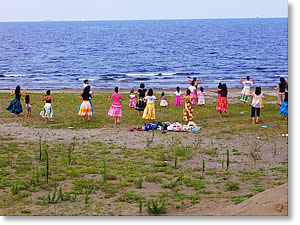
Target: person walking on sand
point(196, 86)
point(188, 106)
point(245, 94)
point(281, 87)
point(256, 104)
point(85, 110)
point(15, 105)
point(149, 112)
point(47, 111)
point(116, 109)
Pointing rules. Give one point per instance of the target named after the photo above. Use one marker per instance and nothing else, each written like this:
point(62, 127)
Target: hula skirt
point(245, 95)
point(222, 104)
point(47, 111)
point(284, 108)
point(141, 104)
point(15, 107)
point(85, 109)
point(149, 112)
point(194, 100)
point(178, 100)
point(163, 103)
point(188, 111)
point(115, 111)
point(132, 103)
point(91, 106)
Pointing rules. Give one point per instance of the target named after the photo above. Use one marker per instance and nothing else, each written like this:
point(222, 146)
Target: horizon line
point(94, 20)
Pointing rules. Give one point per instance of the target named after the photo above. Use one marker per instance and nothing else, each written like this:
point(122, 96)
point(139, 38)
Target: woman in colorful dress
point(132, 102)
point(222, 104)
point(47, 111)
point(284, 105)
point(196, 85)
point(188, 106)
point(15, 105)
point(193, 90)
point(85, 110)
point(116, 109)
point(149, 112)
point(141, 104)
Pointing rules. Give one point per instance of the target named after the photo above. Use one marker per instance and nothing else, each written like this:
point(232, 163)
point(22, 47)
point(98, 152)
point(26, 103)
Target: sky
point(40, 10)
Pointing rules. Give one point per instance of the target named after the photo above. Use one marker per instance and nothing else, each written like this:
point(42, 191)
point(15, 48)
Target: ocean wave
point(13, 75)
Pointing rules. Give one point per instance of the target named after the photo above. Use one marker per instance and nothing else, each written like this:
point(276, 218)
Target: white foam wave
point(14, 75)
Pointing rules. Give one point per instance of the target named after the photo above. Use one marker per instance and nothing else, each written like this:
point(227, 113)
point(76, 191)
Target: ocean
point(159, 53)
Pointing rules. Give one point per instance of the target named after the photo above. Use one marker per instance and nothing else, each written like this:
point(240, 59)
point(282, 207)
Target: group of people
point(146, 100)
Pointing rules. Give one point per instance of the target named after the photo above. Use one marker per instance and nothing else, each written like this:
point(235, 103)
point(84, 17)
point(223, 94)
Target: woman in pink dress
point(116, 109)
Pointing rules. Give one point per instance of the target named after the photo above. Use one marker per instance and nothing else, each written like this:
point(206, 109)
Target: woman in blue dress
point(15, 105)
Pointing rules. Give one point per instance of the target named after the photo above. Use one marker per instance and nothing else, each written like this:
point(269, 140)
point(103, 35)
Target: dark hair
point(201, 89)
point(116, 89)
point(287, 87)
point(193, 83)
point(27, 99)
point(17, 90)
point(194, 79)
point(282, 80)
point(150, 92)
point(48, 92)
point(258, 90)
point(178, 89)
point(86, 92)
point(248, 77)
point(188, 91)
point(142, 85)
point(220, 86)
point(163, 94)
point(85, 81)
point(224, 89)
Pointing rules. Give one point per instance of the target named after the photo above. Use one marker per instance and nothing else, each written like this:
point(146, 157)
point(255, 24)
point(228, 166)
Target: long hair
point(282, 80)
point(17, 90)
point(220, 86)
point(178, 89)
point(116, 89)
point(258, 90)
point(142, 85)
point(150, 92)
point(48, 92)
point(248, 77)
point(193, 82)
point(86, 91)
point(27, 99)
point(201, 89)
point(163, 94)
point(224, 89)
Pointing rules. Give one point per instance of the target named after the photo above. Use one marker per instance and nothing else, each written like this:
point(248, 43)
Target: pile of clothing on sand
point(167, 126)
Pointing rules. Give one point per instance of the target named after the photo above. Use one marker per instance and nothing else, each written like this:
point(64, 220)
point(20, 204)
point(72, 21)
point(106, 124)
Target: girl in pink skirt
point(116, 109)
point(178, 93)
point(132, 102)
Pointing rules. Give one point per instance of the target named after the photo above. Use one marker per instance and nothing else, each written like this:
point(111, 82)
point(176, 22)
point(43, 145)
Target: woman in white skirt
point(47, 111)
point(245, 94)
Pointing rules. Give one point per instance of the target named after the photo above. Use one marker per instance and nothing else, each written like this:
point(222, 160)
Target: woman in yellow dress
point(149, 112)
point(188, 107)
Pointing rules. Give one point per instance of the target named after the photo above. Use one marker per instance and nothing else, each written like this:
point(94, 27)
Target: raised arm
point(241, 80)
point(201, 82)
point(276, 87)
point(187, 79)
point(213, 91)
point(253, 80)
point(23, 93)
point(11, 91)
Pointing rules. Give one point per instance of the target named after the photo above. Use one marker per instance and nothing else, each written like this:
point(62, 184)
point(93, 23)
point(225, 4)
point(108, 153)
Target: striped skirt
point(85, 109)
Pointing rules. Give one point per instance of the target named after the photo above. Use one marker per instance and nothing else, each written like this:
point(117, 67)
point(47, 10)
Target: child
point(85, 84)
point(15, 105)
point(149, 112)
point(47, 111)
point(256, 104)
point(116, 109)
point(178, 93)
point(85, 107)
point(132, 102)
point(245, 94)
point(201, 100)
point(284, 104)
point(196, 85)
point(141, 104)
point(28, 106)
point(163, 102)
point(188, 106)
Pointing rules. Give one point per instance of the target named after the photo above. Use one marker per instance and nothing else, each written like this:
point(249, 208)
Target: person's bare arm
point(241, 80)
point(213, 91)
point(253, 80)
point(201, 82)
point(11, 92)
point(187, 79)
point(276, 88)
point(52, 99)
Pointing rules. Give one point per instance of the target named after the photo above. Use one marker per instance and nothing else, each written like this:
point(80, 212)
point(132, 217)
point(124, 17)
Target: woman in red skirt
point(222, 105)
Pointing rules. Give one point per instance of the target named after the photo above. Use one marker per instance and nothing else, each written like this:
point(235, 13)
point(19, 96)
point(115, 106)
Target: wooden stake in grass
point(140, 205)
point(228, 160)
point(47, 163)
point(175, 163)
point(40, 148)
point(105, 169)
point(203, 166)
point(275, 149)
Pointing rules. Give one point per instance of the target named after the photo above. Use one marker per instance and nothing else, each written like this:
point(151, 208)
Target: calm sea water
point(159, 53)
